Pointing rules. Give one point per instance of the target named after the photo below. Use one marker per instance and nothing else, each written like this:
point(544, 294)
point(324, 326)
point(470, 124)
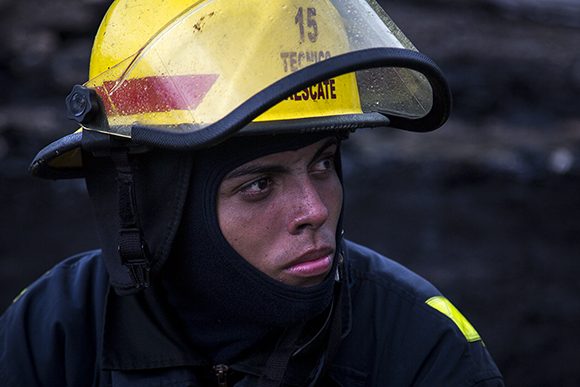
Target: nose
point(308, 209)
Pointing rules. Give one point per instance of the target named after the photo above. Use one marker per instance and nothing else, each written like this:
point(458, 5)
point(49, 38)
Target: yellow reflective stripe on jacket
point(444, 306)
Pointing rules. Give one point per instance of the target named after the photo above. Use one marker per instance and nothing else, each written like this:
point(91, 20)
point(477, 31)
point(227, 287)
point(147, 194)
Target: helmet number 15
point(310, 24)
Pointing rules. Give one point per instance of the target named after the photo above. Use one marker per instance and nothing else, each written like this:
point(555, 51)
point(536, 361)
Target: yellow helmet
point(184, 74)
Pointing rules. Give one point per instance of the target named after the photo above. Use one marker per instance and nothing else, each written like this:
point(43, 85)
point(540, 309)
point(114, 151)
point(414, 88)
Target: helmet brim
point(60, 159)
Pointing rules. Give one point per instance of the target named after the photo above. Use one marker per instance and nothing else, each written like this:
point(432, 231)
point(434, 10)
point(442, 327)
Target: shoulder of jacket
point(59, 313)
point(366, 265)
point(71, 281)
point(387, 282)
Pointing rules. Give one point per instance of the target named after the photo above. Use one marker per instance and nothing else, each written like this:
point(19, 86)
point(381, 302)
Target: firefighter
point(210, 135)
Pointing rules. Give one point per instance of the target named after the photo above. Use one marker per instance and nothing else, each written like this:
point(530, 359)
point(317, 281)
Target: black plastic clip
point(139, 272)
point(134, 256)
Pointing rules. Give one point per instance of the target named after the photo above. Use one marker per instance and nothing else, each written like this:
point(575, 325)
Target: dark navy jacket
point(67, 329)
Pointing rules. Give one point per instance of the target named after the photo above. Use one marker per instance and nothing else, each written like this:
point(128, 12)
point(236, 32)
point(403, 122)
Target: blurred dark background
point(487, 207)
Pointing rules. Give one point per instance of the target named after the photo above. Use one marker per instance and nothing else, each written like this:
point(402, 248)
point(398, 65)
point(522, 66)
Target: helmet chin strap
point(132, 248)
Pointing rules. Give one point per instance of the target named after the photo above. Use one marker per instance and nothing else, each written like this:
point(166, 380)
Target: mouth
point(312, 264)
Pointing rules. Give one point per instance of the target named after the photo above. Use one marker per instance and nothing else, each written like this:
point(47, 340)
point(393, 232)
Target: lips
point(312, 263)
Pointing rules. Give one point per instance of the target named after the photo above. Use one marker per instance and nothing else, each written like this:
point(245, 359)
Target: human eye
point(256, 189)
point(323, 165)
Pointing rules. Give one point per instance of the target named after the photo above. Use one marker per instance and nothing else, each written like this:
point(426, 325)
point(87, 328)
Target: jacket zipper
point(221, 372)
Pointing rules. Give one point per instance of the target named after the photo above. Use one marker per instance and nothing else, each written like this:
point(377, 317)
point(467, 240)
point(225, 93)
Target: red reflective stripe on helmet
point(155, 94)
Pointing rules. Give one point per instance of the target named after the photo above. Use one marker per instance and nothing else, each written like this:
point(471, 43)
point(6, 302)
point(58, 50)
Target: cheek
point(231, 222)
point(244, 227)
point(333, 199)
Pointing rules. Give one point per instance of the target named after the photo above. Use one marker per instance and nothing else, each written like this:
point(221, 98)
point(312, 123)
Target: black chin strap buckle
point(134, 256)
point(139, 272)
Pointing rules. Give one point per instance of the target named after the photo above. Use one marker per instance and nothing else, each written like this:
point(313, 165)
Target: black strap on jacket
point(337, 327)
point(132, 247)
point(277, 363)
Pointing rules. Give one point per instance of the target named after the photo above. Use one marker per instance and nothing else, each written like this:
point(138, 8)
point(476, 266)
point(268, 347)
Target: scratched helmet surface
point(185, 75)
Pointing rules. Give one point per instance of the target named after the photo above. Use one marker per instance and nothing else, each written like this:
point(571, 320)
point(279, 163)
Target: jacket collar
point(140, 332)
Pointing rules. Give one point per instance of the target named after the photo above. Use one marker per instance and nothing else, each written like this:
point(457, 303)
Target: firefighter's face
point(280, 212)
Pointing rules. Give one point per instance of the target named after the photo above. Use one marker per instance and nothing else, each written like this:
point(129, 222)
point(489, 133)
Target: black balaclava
point(229, 307)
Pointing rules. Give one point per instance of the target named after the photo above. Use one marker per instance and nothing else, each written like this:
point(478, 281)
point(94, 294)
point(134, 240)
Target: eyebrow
point(327, 144)
point(276, 169)
point(255, 169)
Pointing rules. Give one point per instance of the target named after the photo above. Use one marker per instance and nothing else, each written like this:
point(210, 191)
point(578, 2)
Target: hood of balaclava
point(226, 303)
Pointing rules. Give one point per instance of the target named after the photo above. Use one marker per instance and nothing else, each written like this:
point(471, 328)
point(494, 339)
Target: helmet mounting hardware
point(82, 104)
